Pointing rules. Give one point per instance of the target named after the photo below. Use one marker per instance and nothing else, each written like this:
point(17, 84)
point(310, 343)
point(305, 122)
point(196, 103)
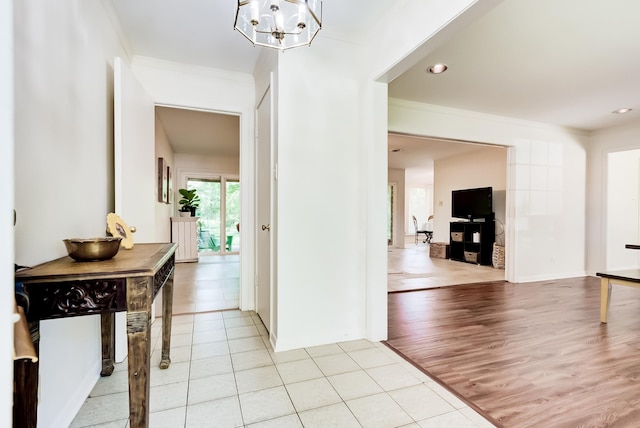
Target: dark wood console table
point(128, 282)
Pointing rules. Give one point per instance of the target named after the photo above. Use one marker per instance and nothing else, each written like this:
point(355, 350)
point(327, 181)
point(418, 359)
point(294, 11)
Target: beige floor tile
point(168, 396)
point(117, 382)
point(207, 336)
point(298, 371)
point(212, 388)
point(242, 332)
point(120, 423)
point(238, 322)
point(171, 418)
point(210, 366)
point(235, 314)
point(207, 350)
point(205, 317)
point(179, 354)
point(265, 404)
point(251, 359)
point(393, 376)
point(222, 413)
point(257, 379)
point(177, 340)
point(354, 385)
point(356, 345)
point(335, 415)
point(101, 409)
point(336, 364)
point(311, 394)
point(448, 420)
point(371, 357)
point(208, 325)
point(246, 344)
point(186, 328)
point(379, 411)
point(288, 356)
point(289, 421)
point(322, 350)
point(420, 402)
point(177, 372)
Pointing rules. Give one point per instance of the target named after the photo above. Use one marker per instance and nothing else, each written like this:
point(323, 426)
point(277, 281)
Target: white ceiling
point(197, 132)
point(201, 32)
point(564, 62)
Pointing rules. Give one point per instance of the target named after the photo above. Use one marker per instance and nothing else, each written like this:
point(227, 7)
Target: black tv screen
point(472, 203)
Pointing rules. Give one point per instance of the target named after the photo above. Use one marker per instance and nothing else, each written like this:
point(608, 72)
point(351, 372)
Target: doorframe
point(246, 298)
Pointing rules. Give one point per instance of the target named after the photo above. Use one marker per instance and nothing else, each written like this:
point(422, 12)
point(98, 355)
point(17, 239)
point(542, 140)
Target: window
point(219, 213)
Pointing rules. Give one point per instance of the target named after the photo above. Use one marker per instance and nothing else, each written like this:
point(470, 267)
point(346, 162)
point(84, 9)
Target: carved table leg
point(25, 400)
point(139, 299)
point(108, 342)
point(167, 310)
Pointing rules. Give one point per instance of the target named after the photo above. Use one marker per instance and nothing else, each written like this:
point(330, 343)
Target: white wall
point(546, 184)
point(6, 212)
point(601, 144)
point(63, 176)
point(483, 167)
point(320, 184)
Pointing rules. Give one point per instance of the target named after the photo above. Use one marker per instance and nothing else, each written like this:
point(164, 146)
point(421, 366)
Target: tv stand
point(472, 240)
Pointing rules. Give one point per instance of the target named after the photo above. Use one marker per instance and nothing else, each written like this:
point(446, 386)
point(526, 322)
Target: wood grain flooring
point(527, 355)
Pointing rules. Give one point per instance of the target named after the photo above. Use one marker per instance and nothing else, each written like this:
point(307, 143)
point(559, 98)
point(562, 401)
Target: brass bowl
point(92, 249)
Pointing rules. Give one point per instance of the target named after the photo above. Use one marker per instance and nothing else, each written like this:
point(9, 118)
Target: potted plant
point(190, 201)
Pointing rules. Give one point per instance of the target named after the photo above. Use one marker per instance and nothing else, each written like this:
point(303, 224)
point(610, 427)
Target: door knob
point(266, 227)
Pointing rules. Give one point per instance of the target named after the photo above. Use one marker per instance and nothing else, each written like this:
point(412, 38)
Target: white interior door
point(134, 153)
point(134, 164)
point(263, 208)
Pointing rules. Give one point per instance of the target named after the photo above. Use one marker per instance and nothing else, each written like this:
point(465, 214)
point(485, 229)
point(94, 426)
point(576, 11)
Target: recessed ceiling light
point(621, 111)
point(437, 68)
point(396, 150)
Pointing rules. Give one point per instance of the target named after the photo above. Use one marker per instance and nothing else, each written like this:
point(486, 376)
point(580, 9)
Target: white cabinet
point(184, 231)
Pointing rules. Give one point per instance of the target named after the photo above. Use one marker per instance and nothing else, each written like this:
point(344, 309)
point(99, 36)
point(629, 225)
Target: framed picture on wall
point(169, 186)
point(162, 180)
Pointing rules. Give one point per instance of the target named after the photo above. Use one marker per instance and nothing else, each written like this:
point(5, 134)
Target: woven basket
point(498, 256)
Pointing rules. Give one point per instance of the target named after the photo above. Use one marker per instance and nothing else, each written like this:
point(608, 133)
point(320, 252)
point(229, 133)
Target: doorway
point(203, 149)
point(429, 169)
point(623, 209)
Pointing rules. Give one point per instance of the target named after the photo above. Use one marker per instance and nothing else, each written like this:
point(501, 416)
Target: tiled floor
point(224, 373)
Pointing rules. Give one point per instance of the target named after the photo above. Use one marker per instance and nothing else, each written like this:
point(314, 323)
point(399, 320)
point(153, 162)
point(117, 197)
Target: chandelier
point(279, 24)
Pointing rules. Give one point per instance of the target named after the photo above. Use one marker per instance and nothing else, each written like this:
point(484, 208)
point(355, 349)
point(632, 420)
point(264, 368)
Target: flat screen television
point(472, 203)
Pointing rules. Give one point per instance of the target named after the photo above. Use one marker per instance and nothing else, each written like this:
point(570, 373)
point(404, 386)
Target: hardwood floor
point(527, 355)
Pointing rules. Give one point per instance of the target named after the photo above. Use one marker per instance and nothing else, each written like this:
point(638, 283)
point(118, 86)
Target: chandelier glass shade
point(279, 24)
